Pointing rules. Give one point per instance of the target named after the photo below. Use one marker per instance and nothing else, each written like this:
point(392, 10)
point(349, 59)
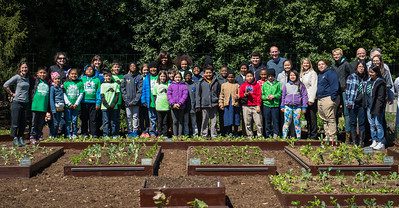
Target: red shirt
point(254, 93)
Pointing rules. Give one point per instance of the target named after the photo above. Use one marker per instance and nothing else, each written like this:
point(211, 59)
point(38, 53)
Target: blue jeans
point(55, 123)
point(71, 120)
point(271, 118)
point(109, 122)
point(377, 131)
point(357, 115)
point(346, 114)
point(152, 114)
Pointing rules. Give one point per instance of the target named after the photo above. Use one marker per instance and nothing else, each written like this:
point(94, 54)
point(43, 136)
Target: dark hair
point(168, 64)
point(256, 53)
point(159, 76)
point(230, 72)
point(96, 57)
point(188, 73)
point(107, 73)
point(362, 62)
point(184, 57)
point(41, 68)
point(208, 67)
point(70, 70)
point(249, 72)
point(244, 64)
point(376, 69)
point(296, 74)
point(59, 54)
point(288, 60)
point(325, 61)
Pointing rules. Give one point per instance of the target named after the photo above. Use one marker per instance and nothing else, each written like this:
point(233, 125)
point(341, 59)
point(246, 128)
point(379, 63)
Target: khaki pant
point(326, 109)
point(249, 113)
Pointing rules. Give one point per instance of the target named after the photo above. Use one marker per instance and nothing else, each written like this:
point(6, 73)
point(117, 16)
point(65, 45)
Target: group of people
point(191, 99)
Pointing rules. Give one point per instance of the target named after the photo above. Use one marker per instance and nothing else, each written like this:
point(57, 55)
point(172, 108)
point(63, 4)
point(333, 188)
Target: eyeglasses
point(61, 58)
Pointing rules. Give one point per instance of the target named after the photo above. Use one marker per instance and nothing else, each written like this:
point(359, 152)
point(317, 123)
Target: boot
point(354, 138)
point(347, 138)
point(362, 138)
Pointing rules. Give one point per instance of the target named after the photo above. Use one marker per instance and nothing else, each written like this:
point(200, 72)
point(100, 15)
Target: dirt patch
point(182, 182)
point(11, 156)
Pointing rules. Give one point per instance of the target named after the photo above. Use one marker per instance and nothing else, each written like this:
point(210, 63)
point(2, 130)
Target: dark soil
point(182, 182)
point(52, 189)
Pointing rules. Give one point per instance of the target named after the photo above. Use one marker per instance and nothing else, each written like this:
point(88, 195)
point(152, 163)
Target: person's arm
point(334, 84)
point(184, 97)
point(139, 88)
point(169, 95)
point(305, 98)
point(313, 87)
point(98, 98)
point(351, 88)
point(221, 98)
point(52, 100)
point(124, 91)
point(67, 102)
point(264, 87)
point(381, 97)
point(283, 94)
point(104, 101)
point(198, 95)
point(8, 83)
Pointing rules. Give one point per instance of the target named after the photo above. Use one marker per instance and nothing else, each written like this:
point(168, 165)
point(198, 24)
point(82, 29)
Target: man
point(343, 69)
point(256, 64)
point(276, 62)
point(361, 55)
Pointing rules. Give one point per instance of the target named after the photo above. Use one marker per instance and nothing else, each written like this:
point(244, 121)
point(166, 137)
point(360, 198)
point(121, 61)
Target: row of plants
point(318, 203)
point(324, 183)
point(343, 154)
point(10, 155)
point(251, 155)
point(124, 153)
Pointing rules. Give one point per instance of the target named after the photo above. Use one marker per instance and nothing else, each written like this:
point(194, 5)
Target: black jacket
point(378, 96)
point(343, 69)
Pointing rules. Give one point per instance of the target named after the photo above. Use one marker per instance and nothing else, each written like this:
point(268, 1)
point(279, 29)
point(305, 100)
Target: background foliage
point(228, 30)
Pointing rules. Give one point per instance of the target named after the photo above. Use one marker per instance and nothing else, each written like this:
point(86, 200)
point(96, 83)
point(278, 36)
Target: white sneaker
point(380, 146)
point(374, 144)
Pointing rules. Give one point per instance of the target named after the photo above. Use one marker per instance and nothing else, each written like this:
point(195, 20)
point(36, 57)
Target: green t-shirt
point(153, 81)
point(90, 86)
point(118, 79)
point(41, 97)
point(72, 91)
point(160, 90)
point(109, 91)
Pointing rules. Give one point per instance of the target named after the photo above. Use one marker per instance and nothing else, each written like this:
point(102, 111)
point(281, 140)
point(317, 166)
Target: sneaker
point(32, 141)
point(15, 142)
point(145, 135)
point(373, 144)
point(379, 146)
point(134, 134)
point(21, 141)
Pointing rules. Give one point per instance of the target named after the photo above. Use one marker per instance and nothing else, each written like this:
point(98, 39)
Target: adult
point(256, 64)
point(343, 69)
point(276, 62)
point(309, 79)
point(327, 93)
point(60, 65)
point(21, 82)
point(355, 89)
point(164, 61)
point(361, 55)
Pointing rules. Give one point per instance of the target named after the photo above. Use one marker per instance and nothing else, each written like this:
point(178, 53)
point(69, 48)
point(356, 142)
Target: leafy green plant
point(160, 199)
point(196, 203)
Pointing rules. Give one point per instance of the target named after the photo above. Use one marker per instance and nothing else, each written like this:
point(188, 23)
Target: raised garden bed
point(180, 191)
point(27, 161)
point(123, 159)
point(393, 151)
point(346, 159)
point(231, 160)
point(327, 190)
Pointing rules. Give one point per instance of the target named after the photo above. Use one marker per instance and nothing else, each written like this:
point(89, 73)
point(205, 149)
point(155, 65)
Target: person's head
point(60, 59)
point(360, 67)
point(361, 54)
point(144, 69)
point(243, 68)
point(41, 72)
point(306, 64)
point(230, 77)
point(89, 71)
point(107, 76)
point(377, 60)
point(375, 51)
point(115, 68)
point(184, 61)
point(374, 72)
point(271, 75)
point(171, 74)
point(208, 73)
point(263, 74)
point(322, 65)
point(132, 67)
point(73, 74)
point(23, 69)
point(152, 67)
point(178, 77)
point(255, 58)
point(249, 77)
point(96, 61)
point(56, 78)
point(164, 58)
point(337, 54)
point(196, 70)
point(287, 65)
point(294, 76)
point(223, 71)
point(162, 76)
point(274, 52)
point(188, 76)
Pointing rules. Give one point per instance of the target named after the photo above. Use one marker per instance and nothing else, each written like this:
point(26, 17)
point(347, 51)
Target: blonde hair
point(338, 50)
point(310, 68)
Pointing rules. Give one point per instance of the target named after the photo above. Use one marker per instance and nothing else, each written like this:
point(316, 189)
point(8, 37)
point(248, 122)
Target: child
point(240, 79)
point(73, 95)
point(196, 74)
point(161, 102)
point(57, 104)
point(40, 101)
point(177, 97)
point(294, 98)
point(190, 114)
point(147, 97)
point(171, 75)
point(184, 62)
point(208, 90)
point(109, 104)
point(271, 94)
point(117, 78)
point(131, 87)
point(262, 76)
point(222, 77)
point(250, 93)
point(143, 113)
point(283, 77)
point(228, 102)
point(91, 103)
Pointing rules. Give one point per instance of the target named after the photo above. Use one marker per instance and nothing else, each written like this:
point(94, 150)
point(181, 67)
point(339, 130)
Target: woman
point(309, 79)
point(327, 92)
point(376, 93)
point(60, 65)
point(20, 102)
point(355, 85)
